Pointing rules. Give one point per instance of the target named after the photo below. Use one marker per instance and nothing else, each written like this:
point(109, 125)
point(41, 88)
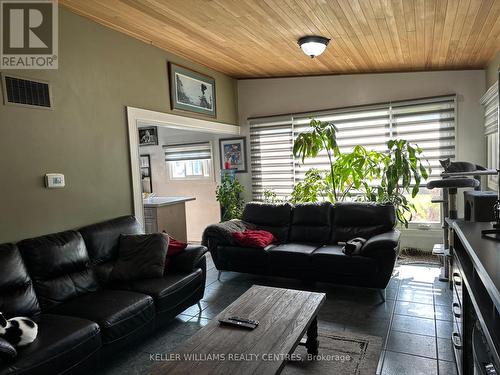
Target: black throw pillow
point(141, 256)
point(7, 351)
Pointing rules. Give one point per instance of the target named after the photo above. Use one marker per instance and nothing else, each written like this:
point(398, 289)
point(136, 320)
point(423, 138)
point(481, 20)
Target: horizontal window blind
point(490, 104)
point(368, 126)
point(188, 151)
point(428, 122)
point(272, 164)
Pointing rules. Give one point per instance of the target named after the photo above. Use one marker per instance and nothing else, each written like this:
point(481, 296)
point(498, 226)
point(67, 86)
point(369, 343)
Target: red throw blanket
point(254, 238)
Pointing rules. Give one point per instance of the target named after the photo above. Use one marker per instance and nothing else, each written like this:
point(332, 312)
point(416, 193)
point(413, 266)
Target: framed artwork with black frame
point(148, 136)
point(145, 166)
point(233, 154)
point(191, 91)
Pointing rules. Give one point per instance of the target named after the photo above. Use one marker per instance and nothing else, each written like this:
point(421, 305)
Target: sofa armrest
point(7, 351)
point(191, 258)
point(221, 233)
point(382, 245)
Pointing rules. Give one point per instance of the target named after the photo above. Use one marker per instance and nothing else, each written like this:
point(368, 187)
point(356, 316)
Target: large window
point(428, 122)
point(189, 161)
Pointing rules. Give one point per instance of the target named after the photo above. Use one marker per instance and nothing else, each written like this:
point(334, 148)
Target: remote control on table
point(244, 320)
point(239, 322)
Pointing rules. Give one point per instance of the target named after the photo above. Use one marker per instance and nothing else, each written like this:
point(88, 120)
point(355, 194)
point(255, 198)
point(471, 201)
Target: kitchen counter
point(166, 214)
point(165, 201)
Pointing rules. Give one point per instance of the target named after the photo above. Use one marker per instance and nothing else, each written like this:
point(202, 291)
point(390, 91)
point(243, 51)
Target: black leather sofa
point(309, 249)
point(62, 282)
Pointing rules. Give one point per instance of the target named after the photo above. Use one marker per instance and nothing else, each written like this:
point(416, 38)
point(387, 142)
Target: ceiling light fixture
point(313, 45)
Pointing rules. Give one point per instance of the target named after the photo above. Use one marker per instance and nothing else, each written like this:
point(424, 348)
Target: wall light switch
point(54, 181)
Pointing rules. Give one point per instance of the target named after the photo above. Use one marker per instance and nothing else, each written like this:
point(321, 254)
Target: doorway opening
point(175, 166)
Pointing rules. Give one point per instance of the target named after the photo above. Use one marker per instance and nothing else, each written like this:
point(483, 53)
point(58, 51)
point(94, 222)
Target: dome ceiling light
point(313, 45)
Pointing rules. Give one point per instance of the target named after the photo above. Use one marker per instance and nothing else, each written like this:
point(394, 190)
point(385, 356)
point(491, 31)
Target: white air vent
point(26, 92)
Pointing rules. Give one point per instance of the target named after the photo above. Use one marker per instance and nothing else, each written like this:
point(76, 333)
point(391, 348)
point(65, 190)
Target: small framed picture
point(148, 136)
point(145, 165)
point(191, 91)
point(233, 154)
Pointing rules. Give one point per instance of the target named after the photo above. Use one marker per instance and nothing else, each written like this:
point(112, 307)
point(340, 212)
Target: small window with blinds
point(428, 122)
point(189, 161)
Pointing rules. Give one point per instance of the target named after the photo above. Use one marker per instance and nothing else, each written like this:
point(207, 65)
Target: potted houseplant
point(400, 171)
point(228, 194)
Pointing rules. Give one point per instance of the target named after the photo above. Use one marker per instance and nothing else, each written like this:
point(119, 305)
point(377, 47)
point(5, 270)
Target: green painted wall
point(492, 71)
point(85, 136)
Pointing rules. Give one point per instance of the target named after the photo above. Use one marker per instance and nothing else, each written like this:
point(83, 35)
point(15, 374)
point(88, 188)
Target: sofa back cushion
point(274, 218)
point(17, 296)
point(352, 219)
point(59, 266)
point(311, 223)
point(103, 239)
point(142, 256)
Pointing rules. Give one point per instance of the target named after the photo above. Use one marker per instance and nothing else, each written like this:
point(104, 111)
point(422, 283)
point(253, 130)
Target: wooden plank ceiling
point(245, 38)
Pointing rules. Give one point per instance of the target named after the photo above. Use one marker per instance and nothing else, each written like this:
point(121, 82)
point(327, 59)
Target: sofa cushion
point(331, 259)
point(274, 218)
point(62, 343)
point(352, 219)
point(169, 291)
point(102, 240)
point(7, 350)
point(237, 256)
point(311, 223)
point(118, 312)
point(142, 256)
point(17, 296)
point(60, 267)
point(291, 255)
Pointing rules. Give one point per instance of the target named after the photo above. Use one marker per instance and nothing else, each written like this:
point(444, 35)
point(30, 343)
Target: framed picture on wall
point(145, 166)
point(233, 154)
point(191, 91)
point(148, 136)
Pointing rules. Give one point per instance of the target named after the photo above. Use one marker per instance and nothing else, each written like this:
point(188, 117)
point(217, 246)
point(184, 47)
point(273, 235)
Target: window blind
point(272, 164)
point(428, 122)
point(188, 151)
point(490, 104)
point(367, 126)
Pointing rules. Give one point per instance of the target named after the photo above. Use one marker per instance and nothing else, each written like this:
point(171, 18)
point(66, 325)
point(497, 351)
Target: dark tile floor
point(415, 321)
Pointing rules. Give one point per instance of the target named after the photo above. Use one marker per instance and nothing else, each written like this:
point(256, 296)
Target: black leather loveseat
point(62, 282)
point(310, 237)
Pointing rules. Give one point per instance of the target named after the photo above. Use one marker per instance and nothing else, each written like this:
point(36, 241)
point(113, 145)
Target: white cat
point(19, 331)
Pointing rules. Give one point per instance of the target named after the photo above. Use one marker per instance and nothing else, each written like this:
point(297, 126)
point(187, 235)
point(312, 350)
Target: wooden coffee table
point(284, 315)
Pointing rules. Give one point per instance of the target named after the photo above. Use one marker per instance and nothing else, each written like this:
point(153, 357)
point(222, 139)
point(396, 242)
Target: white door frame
point(138, 116)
